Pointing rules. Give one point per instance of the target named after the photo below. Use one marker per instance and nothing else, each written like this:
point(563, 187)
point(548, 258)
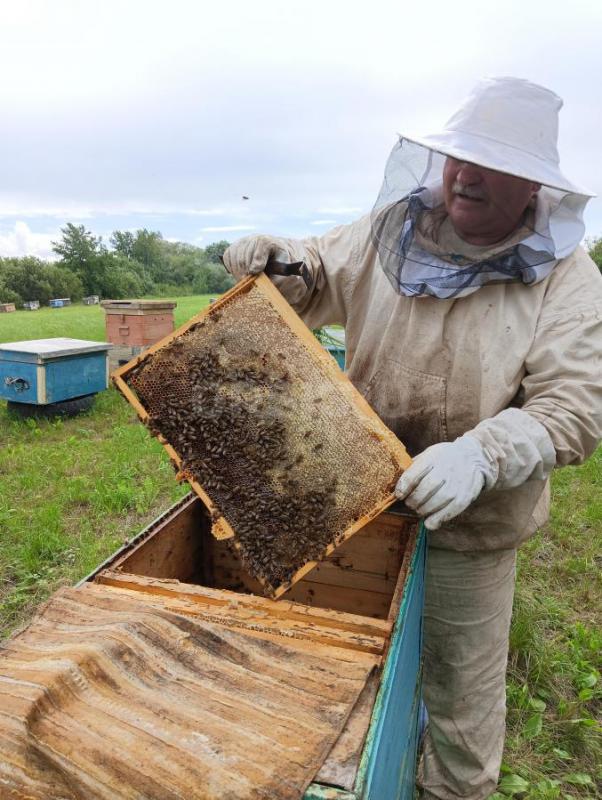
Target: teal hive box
point(333, 340)
point(375, 757)
point(47, 371)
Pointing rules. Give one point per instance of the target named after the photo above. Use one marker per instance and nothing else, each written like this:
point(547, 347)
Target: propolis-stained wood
point(248, 405)
point(374, 756)
point(108, 695)
point(167, 685)
point(360, 577)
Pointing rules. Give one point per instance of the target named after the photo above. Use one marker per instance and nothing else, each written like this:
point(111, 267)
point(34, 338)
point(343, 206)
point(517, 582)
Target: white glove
point(500, 453)
point(250, 255)
point(444, 480)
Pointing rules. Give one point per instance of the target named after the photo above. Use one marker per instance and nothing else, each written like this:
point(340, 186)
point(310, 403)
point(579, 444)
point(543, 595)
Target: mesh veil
point(421, 253)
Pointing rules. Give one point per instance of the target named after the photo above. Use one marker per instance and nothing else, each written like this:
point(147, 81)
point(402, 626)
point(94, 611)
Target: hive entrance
point(268, 431)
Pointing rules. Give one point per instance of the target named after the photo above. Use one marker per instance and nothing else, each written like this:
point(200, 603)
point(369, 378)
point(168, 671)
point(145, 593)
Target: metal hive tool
point(286, 454)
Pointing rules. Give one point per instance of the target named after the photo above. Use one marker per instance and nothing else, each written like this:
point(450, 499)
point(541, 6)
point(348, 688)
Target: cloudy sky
point(164, 114)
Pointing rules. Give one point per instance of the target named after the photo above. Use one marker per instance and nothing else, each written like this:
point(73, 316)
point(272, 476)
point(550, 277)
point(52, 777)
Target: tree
point(594, 247)
point(212, 278)
point(80, 252)
point(122, 277)
point(147, 249)
point(214, 252)
point(32, 279)
point(123, 242)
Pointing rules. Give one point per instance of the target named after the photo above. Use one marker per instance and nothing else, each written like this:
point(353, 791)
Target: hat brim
point(498, 156)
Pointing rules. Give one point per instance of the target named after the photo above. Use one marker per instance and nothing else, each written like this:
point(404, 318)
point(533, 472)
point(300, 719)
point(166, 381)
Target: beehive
point(47, 371)
point(163, 675)
point(285, 453)
point(138, 323)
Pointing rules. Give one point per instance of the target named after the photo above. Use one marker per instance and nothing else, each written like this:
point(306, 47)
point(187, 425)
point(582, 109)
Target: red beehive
point(138, 322)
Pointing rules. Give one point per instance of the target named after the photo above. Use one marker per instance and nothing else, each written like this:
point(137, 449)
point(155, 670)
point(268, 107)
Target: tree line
point(136, 264)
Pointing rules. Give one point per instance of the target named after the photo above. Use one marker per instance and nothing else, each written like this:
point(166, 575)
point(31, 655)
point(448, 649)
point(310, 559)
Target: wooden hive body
point(162, 675)
point(378, 576)
point(138, 323)
point(44, 371)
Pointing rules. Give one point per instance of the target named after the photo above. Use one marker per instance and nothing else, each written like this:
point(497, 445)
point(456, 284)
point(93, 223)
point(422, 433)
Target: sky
point(163, 115)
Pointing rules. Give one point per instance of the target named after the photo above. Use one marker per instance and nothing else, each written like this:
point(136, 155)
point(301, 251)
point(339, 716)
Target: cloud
point(323, 222)
point(206, 212)
point(340, 211)
point(228, 228)
point(34, 208)
point(22, 241)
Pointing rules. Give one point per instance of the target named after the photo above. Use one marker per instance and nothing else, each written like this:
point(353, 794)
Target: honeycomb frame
point(262, 287)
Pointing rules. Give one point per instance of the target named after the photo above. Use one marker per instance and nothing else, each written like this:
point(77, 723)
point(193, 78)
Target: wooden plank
point(174, 551)
point(370, 560)
point(256, 613)
point(339, 598)
point(342, 763)
point(255, 621)
point(107, 698)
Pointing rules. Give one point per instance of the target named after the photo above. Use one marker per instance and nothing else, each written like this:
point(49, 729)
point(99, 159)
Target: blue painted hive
point(46, 371)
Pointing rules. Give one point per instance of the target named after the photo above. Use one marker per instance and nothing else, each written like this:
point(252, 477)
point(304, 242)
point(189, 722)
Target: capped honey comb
point(286, 454)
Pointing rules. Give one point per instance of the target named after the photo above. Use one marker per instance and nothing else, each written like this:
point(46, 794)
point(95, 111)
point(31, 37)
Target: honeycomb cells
point(259, 423)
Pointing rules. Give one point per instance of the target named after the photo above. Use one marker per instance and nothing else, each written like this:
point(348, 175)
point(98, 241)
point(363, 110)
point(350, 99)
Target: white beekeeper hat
point(509, 125)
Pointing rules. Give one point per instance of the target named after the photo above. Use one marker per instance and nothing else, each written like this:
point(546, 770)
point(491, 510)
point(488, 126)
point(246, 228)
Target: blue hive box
point(46, 371)
point(333, 340)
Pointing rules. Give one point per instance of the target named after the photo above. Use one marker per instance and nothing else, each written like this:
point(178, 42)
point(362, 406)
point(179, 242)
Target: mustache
point(475, 192)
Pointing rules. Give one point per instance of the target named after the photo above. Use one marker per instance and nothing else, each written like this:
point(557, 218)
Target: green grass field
point(72, 491)
point(79, 321)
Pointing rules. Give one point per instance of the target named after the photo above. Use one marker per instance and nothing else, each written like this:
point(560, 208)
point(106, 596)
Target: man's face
point(484, 206)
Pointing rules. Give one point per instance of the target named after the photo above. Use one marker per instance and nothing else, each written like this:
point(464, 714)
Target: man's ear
point(535, 187)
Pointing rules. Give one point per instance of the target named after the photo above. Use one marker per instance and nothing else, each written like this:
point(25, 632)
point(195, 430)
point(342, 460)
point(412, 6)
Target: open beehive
point(287, 456)
point(162, 675)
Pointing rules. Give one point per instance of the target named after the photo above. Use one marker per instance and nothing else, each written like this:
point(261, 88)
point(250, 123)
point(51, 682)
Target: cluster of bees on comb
point(229, 413)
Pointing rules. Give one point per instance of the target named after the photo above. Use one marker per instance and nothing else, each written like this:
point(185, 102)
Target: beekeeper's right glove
point(250, 255)
point(499, 453)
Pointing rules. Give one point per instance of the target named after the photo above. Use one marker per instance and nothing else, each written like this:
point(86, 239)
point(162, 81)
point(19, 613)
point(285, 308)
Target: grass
point(73, 491)
point(554, 741)
point(79, 321)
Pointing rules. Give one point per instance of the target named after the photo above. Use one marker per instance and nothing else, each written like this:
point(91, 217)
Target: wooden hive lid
point(110, 694)
point(259, 419)
point(127, 306)
point(57, 347)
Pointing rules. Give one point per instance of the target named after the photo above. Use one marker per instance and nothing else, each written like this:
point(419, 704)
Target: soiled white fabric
point(467, 613)
point(434, 369)
point(502, 452)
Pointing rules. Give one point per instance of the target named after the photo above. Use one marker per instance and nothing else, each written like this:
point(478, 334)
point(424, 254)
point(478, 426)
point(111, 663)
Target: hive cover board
point(107, 696)
point(274, 438)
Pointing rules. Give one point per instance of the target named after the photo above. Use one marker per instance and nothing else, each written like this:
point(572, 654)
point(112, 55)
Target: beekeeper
point(473, 324)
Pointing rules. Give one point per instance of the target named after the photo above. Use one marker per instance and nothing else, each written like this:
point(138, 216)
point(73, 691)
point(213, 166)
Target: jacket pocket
point(413, 404)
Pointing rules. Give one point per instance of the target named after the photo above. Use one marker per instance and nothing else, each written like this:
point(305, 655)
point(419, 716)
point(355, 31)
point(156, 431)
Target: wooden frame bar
point(221, 527)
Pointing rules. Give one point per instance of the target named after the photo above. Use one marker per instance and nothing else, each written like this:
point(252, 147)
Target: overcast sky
point(164, 114)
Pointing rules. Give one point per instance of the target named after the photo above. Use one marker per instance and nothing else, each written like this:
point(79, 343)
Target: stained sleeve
point(332, 263)
point(563, 383)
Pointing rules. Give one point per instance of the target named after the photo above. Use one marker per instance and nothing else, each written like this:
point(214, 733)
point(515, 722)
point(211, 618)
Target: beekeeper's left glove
point(444, 480)
point(499, 453)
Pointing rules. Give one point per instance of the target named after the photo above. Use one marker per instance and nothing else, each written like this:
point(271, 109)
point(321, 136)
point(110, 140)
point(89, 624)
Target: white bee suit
point(487, 364)
point(434, 369)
